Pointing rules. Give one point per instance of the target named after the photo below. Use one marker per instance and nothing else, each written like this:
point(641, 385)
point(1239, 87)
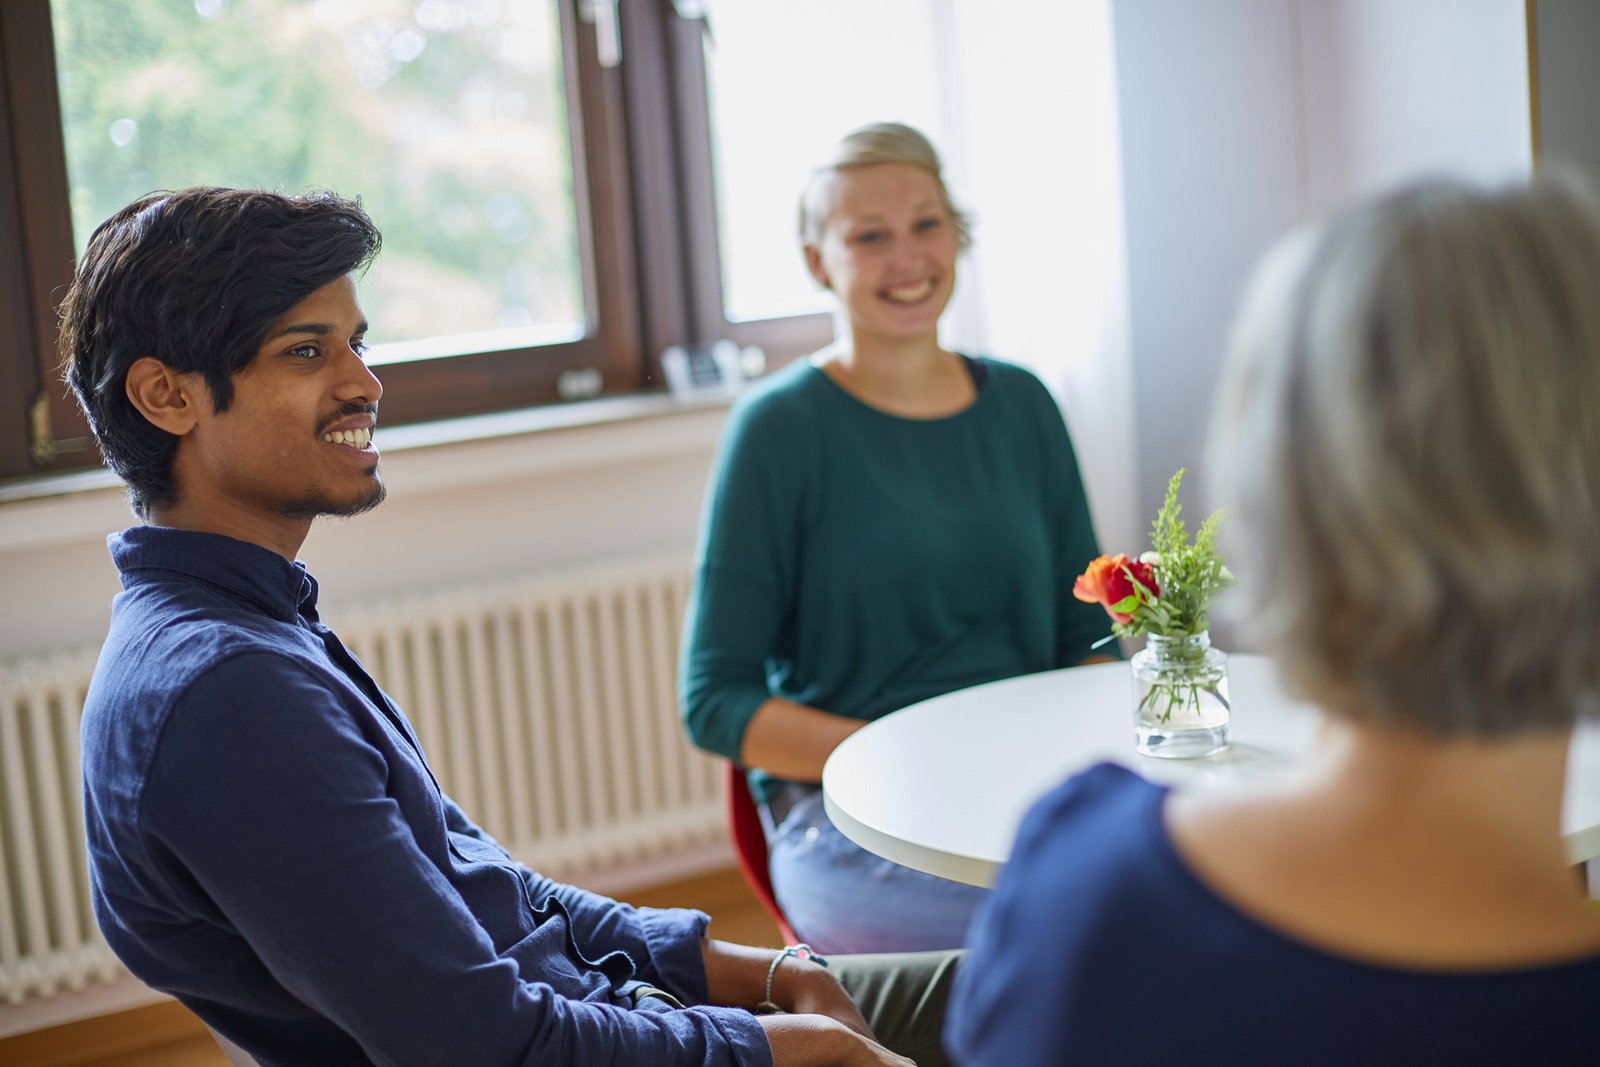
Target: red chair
point(750, 844)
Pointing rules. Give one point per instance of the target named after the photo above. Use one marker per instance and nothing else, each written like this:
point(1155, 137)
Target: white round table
point(942, 785)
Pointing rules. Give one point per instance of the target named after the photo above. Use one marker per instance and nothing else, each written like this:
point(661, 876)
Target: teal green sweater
point(858, 562)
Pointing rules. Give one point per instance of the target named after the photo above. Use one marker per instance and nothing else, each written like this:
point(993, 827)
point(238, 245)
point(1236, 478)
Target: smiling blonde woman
point(887, 521)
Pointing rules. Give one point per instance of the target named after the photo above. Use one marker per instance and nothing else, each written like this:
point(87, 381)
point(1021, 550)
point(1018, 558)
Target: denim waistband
point(782, 801)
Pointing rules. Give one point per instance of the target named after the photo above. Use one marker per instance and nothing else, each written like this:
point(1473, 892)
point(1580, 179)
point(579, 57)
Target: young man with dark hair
point(266, 840)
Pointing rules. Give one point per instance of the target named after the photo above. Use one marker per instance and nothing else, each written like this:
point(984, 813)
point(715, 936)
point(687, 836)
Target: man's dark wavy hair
point(194, 278)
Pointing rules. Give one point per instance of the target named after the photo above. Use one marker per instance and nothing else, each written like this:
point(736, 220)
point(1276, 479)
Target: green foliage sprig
point(1167, 590)
point(1188, 575)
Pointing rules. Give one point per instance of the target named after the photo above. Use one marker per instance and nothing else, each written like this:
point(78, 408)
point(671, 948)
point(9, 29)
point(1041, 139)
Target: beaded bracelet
point(766, 1006)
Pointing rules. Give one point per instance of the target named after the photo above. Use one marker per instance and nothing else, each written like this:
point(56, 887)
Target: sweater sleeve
point(277, 811)
point(744, 577)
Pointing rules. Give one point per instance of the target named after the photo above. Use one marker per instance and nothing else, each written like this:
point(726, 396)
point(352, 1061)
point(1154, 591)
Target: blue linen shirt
point(268, 845)
point(1100, 946)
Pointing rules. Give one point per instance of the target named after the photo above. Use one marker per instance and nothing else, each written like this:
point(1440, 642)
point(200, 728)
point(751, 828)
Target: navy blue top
point(268, 845)
point(1100, 946)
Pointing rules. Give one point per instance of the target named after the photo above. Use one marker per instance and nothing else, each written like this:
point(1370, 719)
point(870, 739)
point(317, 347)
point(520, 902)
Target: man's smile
point(353, 438)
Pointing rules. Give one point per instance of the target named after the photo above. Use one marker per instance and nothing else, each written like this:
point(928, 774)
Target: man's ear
point(168, 399)
point(814, 265)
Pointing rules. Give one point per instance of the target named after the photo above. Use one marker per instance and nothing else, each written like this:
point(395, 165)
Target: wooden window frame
point(783, 338)
point(642, 164)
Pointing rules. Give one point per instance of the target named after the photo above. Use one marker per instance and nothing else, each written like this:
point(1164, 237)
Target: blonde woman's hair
point(1408, 443)
point(879, 142)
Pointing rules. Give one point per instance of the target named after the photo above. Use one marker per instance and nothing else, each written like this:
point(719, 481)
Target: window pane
point(786, 81)
point(447, 117)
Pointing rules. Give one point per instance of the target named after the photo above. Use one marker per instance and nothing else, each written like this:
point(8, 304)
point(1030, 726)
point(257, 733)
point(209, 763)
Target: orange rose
point(1108, 581)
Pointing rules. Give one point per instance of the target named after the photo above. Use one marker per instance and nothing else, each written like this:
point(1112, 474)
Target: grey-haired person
point(1408, 444)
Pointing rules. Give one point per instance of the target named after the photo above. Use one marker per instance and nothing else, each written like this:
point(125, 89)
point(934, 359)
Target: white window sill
point(420, 458)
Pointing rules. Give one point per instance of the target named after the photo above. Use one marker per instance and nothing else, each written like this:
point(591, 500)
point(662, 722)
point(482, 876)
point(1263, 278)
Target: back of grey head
point(1408, 441)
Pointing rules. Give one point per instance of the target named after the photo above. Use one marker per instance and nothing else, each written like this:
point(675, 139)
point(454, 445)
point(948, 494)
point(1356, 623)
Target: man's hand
point(823, 1028)
point(818, 1041)
point(807, 988)
point(736, 977)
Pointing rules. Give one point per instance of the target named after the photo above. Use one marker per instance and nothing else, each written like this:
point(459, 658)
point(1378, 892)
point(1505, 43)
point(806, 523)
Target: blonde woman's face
point(887, 251)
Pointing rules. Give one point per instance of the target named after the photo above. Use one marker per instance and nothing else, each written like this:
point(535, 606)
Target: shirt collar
point(280, 588)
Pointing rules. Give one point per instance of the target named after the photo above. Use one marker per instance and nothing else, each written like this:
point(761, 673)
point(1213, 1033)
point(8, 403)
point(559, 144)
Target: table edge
point(950, 866)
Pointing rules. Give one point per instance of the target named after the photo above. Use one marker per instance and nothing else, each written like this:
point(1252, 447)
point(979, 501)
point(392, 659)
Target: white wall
point(1394, 90)
point(1209, 127)
point(1239, 118)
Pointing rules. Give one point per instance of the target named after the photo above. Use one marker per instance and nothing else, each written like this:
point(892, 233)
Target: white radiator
point(547, 708)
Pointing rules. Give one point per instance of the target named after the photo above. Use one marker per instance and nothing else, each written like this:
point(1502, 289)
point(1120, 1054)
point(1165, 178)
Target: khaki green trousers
point(902, 995)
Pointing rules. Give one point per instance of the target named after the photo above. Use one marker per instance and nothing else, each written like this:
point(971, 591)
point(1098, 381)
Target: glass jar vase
point(1180, 697)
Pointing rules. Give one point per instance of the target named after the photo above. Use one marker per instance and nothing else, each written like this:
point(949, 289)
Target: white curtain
point(1030, 120)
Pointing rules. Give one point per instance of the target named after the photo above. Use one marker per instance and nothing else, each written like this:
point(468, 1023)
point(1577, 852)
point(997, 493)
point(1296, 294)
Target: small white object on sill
point(716, 369)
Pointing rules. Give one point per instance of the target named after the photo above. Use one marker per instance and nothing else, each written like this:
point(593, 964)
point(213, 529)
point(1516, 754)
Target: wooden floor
point(166, 1035)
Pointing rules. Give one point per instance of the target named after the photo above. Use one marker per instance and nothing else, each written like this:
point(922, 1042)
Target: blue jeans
point(841, 898)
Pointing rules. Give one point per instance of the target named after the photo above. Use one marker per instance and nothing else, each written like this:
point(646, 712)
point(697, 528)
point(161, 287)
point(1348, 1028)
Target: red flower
point(1108, 581)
